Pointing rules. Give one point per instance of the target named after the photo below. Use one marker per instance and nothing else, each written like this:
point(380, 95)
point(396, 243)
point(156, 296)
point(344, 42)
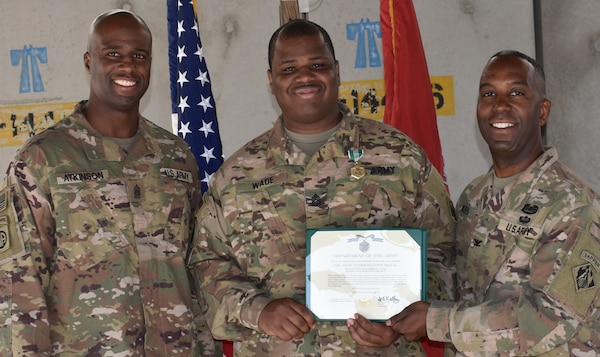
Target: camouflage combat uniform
point(528, 267)
point(95, 265)
point(250, 242)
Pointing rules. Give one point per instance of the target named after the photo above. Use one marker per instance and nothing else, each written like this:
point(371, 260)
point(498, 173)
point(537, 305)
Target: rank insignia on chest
point(476, 243)
point(316, 200)
point(135, 191)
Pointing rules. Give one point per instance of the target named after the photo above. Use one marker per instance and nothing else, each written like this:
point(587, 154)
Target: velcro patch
point(4, 235)
point(575, 284)
point(77, 177)
point(263, 183)
point(3, 201)
point(519, 229)
point(11, 242)
point(592, 259)
point(584, 277)
point(176, 174)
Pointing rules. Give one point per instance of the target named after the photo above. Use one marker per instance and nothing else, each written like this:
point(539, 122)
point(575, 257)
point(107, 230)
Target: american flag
point(194, 115)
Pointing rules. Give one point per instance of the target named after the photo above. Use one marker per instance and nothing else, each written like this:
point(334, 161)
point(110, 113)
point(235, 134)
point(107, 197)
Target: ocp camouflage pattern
point(528, 267)
point(250, 241)
point(97, 240)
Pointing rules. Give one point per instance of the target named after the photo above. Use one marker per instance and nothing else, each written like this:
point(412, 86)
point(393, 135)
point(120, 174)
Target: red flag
point(409, 105)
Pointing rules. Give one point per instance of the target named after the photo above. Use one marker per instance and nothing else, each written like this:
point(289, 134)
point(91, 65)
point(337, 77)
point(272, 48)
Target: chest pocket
point(266, 223)
point(381, 199)
point(165, 206)
point(87, 228)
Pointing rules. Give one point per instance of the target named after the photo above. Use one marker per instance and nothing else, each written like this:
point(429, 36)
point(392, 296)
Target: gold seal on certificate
point(373, 272)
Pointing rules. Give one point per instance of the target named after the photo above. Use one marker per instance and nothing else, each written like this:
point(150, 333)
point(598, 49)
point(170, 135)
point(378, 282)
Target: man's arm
point(233, 301)
point(24, 274)
point(435, 213)
point(553, 308)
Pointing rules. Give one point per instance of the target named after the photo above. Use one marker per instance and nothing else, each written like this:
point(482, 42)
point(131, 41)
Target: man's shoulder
point(247, 163)
point(378, 132)
point(253, 150)
point(58, 135)
point(157, 132)
point(561, 175)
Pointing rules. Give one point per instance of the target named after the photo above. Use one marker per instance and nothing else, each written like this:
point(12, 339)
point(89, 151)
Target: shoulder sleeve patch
point(11, 244)
point(577, 284)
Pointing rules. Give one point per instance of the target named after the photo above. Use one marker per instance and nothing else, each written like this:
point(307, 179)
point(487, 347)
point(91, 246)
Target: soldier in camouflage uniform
point(528, 236)
point(250, 241)
point(96, 218)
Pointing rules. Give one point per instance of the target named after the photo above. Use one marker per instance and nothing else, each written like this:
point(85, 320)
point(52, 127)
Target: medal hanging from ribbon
point(357, 171)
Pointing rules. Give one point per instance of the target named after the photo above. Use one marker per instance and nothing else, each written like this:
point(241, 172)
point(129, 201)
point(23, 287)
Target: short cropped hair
point(298, 28)
point(539, 69)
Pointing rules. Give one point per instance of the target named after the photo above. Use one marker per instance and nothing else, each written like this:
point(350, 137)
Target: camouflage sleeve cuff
point(250, 313)
point(438, 321)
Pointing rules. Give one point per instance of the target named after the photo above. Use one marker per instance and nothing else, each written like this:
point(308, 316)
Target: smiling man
point(528, 237)
point(96, 213)
point(318, 167)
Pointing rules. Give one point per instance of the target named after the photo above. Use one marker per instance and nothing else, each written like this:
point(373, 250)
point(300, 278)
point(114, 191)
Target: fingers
point(370, 334)
point(411, 322)
point(286, 319)
point(306, 315)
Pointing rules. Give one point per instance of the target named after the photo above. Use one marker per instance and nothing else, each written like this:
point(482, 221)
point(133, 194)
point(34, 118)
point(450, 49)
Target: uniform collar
point(280, 150)
point(98, 147)
point(525, 182)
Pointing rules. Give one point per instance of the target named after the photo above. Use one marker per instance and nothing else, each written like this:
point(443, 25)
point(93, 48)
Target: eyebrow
point(315, 58)
point(521, 83)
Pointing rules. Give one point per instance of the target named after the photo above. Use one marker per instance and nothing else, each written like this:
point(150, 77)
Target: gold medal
point(357, 171)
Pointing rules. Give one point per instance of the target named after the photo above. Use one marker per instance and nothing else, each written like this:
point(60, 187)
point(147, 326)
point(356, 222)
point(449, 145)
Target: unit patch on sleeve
point(4, 235)
point(584, 277)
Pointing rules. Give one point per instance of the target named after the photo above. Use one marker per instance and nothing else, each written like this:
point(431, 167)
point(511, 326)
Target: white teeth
point(124, 83)
point(502, 125)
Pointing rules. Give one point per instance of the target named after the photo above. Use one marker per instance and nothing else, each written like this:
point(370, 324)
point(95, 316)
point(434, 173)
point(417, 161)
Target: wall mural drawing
point(28, 58)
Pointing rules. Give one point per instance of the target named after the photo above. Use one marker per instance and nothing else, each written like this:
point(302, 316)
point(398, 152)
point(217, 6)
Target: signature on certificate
point(390, 298)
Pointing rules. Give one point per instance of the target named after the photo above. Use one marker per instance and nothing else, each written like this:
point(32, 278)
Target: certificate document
point(373, 272)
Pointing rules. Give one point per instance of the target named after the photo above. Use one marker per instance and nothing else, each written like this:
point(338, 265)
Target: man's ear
point(270, 75)
point(544, 111)
point(86, 61)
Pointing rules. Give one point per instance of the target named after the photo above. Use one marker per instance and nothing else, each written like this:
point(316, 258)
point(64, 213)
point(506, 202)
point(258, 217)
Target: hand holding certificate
point(373, 272)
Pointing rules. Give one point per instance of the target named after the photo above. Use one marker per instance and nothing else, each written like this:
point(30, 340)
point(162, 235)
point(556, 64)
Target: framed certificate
point(373, 272)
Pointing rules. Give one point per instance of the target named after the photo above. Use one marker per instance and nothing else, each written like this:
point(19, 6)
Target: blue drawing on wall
point(27, 55)
point(358, 32)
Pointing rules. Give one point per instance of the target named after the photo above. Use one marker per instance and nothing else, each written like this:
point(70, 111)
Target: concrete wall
point(572, 63)
point(458, 36)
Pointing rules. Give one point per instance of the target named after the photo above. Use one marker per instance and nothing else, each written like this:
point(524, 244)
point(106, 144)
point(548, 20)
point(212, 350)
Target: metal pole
point(539, 44)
